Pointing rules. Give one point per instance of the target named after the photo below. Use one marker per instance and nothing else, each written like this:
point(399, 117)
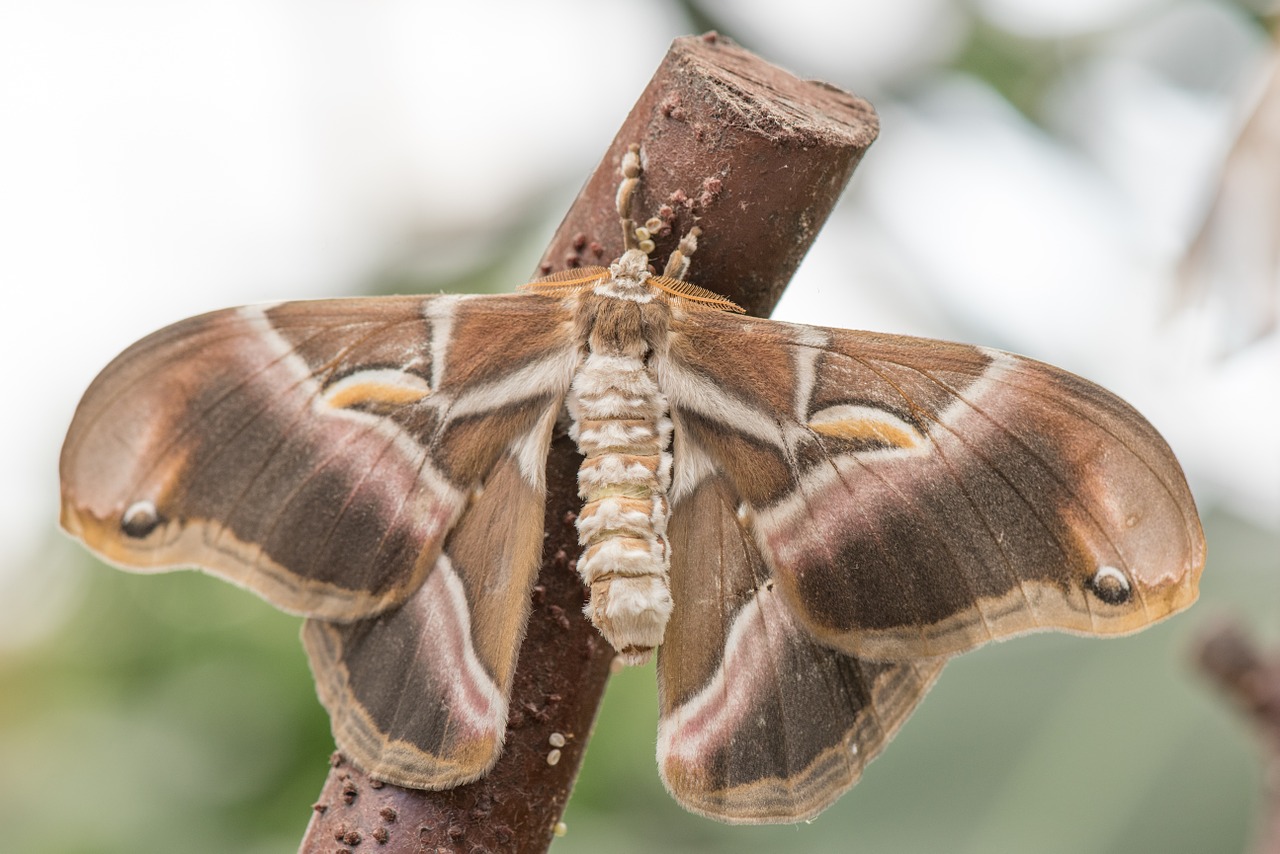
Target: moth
point(803, 522)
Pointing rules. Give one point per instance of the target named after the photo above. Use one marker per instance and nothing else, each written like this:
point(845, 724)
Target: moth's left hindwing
point(420, 693)
point(319, 453)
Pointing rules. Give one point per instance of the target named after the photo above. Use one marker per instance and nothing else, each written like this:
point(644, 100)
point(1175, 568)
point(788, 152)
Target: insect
point(803, 522)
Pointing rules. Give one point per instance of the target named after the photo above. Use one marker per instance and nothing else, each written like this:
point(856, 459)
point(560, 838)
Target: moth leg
point(641, 236)
point(678, 261)
point(626, 193)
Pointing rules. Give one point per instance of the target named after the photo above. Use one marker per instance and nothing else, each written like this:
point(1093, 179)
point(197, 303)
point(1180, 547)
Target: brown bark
point(757, 158)
point(1251, 680)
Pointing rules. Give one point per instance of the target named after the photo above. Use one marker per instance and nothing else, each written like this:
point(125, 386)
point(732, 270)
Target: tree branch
point(757, 158)
point(1252, 682)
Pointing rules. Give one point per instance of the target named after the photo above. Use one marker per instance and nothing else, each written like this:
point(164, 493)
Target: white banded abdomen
point(621, 426)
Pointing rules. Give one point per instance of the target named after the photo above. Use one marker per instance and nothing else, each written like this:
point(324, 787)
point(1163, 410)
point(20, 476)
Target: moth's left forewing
point(916, 498)
point(315, 452)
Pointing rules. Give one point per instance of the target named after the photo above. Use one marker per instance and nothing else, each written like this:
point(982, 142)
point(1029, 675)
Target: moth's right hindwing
point(759, 722)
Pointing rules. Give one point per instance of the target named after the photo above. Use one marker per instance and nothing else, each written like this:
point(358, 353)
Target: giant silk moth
point(803, 522)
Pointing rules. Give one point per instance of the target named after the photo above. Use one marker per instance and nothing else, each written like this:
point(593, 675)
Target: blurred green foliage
point(176, 712)
point(174, 707)
point(1046, 744)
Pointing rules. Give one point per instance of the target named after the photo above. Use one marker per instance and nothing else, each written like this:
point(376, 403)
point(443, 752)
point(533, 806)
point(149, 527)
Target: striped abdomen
point(620, 424)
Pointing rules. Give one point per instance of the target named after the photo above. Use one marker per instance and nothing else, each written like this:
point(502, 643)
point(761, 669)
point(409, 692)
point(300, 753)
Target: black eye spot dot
point(140, 519)
point(1110, 585)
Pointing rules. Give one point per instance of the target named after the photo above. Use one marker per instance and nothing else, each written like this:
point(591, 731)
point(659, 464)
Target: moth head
point(632, 267)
